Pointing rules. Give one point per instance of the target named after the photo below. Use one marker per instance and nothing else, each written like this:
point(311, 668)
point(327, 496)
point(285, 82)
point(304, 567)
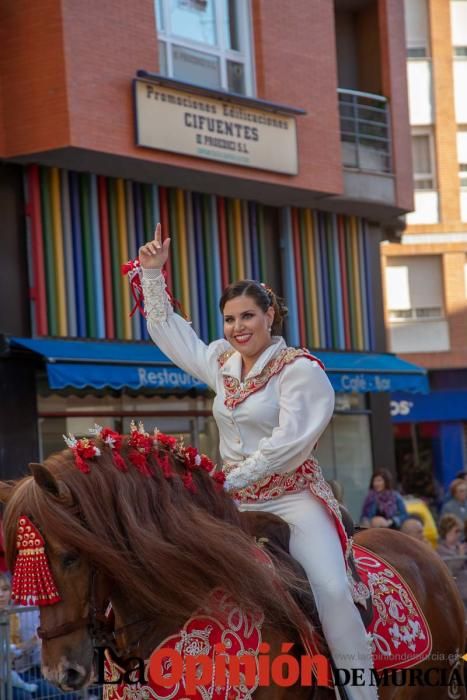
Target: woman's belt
point(277, 485)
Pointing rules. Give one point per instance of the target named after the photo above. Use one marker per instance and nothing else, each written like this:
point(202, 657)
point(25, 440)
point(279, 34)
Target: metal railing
point(365, 131)
point(20, 675)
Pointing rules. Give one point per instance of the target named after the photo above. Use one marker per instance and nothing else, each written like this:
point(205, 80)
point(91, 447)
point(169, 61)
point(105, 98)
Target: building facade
point(266, 147)
point(426, 273)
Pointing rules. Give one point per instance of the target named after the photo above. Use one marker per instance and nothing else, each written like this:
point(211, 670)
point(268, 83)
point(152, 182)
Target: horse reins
point(101, 626)
point(96, 620)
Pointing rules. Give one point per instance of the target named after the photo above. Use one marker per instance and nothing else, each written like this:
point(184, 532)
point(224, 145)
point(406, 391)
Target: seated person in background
point(383, 501)
point(21, 688)
point(453, 551)
point(413, 526)
point(27, 681)
point(457, 504)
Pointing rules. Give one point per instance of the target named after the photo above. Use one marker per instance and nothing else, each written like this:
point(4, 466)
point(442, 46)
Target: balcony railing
point(365, 131)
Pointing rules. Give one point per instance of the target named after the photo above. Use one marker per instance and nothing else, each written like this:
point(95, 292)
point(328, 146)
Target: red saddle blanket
point(399, 631)
point(400, 634)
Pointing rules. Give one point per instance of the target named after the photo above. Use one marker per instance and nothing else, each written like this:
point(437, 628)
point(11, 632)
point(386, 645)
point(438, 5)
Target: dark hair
point(454, 485)
point(263, 296)
point(447, 523)
point(385, 474)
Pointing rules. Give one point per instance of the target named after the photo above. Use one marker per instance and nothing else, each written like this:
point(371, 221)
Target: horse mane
point(151, 536)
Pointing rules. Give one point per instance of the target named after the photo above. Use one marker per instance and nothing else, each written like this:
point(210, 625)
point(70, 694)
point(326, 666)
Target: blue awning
point(101, 364)
point(363, 372)
point(107, 364)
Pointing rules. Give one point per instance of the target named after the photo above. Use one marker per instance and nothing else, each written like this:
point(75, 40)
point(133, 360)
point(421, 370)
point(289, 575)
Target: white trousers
point(315, 544)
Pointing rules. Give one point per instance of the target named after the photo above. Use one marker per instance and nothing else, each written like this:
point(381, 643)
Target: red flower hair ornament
point(141, 445)
point(83, 449)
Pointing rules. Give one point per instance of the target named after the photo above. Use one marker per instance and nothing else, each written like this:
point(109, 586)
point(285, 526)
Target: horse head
point(144, 522)
point(65, 627)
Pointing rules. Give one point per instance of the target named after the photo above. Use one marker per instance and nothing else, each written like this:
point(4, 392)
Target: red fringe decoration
point(219, 478)
point(119, 461)
point(138, 460)
point(164, 464)
point(132, 269)
point(188, 482)
point(81, 464)
point(142, 446)
point(33, 583)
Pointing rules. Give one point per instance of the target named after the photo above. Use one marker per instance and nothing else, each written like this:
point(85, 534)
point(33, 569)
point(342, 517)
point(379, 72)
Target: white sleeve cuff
point(151, 273)
point(157, 304)
point(253, 469)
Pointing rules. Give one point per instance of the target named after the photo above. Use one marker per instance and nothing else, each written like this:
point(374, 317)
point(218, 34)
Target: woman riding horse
point(272, 404)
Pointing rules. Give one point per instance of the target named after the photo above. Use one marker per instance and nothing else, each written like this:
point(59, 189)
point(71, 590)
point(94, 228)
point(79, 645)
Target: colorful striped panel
point(327, 258)
point(82, 227)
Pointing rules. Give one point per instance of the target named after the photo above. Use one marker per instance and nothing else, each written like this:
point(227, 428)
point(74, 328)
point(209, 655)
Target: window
point(460, 51)
point(417, 28)
point(409, 298)
point(459, 24)
point(206, 42)
point(416, 52)
point(423, 159)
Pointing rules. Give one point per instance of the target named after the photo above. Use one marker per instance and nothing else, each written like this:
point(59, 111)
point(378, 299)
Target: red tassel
point(219, 478)
point(138, 460)
point(164, 463)
point(119, 461)
point(132, 268)
point(33, 583)
point(81, 464)
point(188, 482)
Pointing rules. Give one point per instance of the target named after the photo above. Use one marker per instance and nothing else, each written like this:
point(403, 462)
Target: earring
point(269, 329)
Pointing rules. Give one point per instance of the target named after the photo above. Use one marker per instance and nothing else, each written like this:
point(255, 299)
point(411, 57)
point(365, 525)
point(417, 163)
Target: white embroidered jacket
point(270, 422)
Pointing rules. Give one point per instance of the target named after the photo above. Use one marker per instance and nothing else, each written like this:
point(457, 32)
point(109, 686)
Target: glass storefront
point(344, 450)
point(185, 417)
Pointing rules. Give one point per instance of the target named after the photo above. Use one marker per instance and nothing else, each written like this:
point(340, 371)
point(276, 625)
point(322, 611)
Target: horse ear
point(6, 488)
point(47, 482)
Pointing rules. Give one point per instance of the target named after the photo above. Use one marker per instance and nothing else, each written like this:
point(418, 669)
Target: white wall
point(416, 283)
point(464, 205)
point(459, 22)
point(420, 92)
point(460, 90)
point(426, 208)
point(416, 336)
point(416, 23)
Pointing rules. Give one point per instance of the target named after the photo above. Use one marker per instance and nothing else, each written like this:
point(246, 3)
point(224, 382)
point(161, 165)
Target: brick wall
point(66, 69)
point(33, 90)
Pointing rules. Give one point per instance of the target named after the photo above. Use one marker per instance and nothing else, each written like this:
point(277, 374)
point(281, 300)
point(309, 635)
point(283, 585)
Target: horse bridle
point(100, 625)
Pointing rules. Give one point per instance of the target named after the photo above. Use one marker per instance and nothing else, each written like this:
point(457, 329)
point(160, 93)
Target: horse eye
point(68, 559)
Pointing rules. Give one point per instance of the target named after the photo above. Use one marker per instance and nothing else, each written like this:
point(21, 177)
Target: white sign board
point(172, 120)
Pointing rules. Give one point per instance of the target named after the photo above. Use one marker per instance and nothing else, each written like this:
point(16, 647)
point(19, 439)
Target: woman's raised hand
point(153, 255)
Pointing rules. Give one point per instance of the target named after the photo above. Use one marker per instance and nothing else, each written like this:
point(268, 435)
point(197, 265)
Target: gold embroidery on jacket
point(236, 393)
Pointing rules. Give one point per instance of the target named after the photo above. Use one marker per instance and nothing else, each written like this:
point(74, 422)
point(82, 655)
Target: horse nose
point(72, 679)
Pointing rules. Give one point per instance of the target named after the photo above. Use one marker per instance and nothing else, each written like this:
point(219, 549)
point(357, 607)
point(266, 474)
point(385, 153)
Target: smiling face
point(246, 326)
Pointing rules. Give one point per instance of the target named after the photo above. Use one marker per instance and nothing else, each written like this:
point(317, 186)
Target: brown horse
point(156, 549)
